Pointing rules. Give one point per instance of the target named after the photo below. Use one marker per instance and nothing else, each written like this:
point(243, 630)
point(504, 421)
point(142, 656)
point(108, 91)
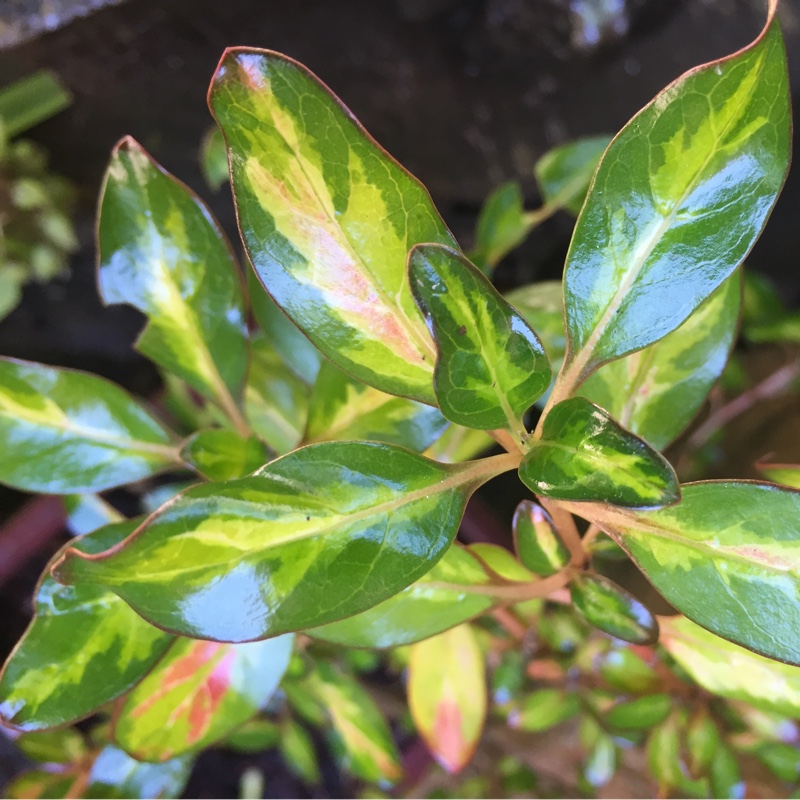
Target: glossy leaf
point(692, 176)
point(458, 443)
point(490, 366)
point(536, 541)
point(564, 173)
point(542, 305)
point(544, 709)
point(447, 694)
point(327, 218)
point(222, 454)
point(502, 225)
point(162, 252)
point(584, 455)
point(445, 597)
point(114, 774)
point(88, 512)
point(727, 558)
point(318, 535)
point(63, 431)
point(276, 400)
point(613, 610)
point(343, 408)
point(84, 648)
point(656, 392)
point(627, 671)
point(730, 671)
point(199, 692)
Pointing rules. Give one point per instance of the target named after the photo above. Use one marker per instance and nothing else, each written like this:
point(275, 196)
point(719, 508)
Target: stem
point(510, 623)
point(512, 593)
point(505, 440)
point(592, 532)
point(229, 406)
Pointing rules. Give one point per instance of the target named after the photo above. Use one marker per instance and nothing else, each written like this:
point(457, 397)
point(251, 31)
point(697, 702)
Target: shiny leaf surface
point(114, 774)
point(787, 474)
point(490, 365)
point(585, 455)
point(222, 454)
point(536, 541)
point(327, 218)
point(447, 694)
point(63, 431)
point(318, 535)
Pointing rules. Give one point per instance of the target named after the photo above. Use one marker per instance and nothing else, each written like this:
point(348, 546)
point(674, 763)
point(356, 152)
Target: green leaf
point(641, 713)
point(458, 444)
point(447, 694)
point(84, 648)
point(702, 740)
point(214, 159)
point(664, 754)
point(199, 692)
point(726, 779)
point(318, 535)
point(445, 597)
point(343, 408)
point(584, 455)
point(298, 752)
point(599, 767)
point(115, 774)
point(501, 562)
point(727, 558)
point(544, 709)
point(536, 541)
point(490, 366)
point(782, 759)
point(63, 431)
point(730, 671)
point(697, 171)
point(564, 173)
point(162, 252)
point(31, 100)
point(37, 783)
point(656, 392)
point(59, 746)
point(627, 671)
point(542, 305)
point(502, 225)
point(88, 512)
point(613, 610)
point(276, 400)
point(327, 218)
point(254, 736)
point(787, 474)
point(220, 455)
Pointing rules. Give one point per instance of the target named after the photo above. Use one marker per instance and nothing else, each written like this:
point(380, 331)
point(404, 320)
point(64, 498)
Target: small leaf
point(162, 252)
point(84, 648)
point(443, 598)
point(327, 218)
point(627, 671)
point(656, 392)
point(88, 512)
point(599, 767)
point(697, 171)
point(787, 474)
point(199, 692)
point(254, 736)
point(613, 610)
point(564, 173)
point(447, 694)
point(220, 455)
point(490, 365)
point(664, 754)
point(726, 779)
point(502, 225)
point(318, 535)
point(115, 774)
point(702, 739)
point(542, 305)
point(544, 709)
point(782, 759)
point(500, 561)
point(63, 431)
point(343, 408)
point(536, 541)
point(585, 455)
point(459, 444)
point(298, 752)
point(214, 159)
point(59, 746)
point(641, 713)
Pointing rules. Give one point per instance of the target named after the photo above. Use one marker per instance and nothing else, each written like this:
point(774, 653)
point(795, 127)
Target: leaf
point(38, 783)
point(536, 541)
point(162, 252)
point(60, 746)
point(585, 455)
point(730, 671)
point(343, 408)
point(641, 713)
point(298, 752)
point(458, 444)
point(443, 598)
point(783, 760)
point(361, 735)
point(544, 709)
point(327, 218)
point(702, 740)
point(664, 754)
point(727, 558)
point(214, 159)
point(502, 225)
point(542, 305)
point(63, 431)
point(84, 648)
point(88, 512)
point(31, 100)
point(697, 171)
point(564, 173)
point(787, 474)
point(613, 610)
point(726, 780)
point(199, 692)
point(254, 736)
point(220, 455)
point(115, 774)
point(656, 392)
point(447, 695)
point(490, 366)
point(318, 535)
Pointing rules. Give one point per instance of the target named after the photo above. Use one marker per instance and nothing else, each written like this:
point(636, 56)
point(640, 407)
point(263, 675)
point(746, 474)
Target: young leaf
point(214, 159)
point(502, 225)
point(445, 597)
point(317, 535)
point(84, 648)
point(343, 408)
point(63, 431)
point(641, 713)
point(490, 366)
point(162, 252)
point(726, 557)
point(693, 175)
point(327, 218)
point(544, 709)
point(656, 392)
point(730, 671)
point(447, 694)
point(613, 610)
point(199, 692)
point(585, 455)
point(220, 455)
point(536, 541)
